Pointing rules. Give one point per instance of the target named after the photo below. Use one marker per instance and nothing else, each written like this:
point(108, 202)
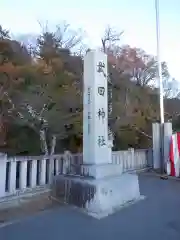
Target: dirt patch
point(28, 208)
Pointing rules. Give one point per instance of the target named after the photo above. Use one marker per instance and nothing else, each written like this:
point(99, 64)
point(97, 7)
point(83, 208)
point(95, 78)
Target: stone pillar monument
point(100, 188)
point(95, 109)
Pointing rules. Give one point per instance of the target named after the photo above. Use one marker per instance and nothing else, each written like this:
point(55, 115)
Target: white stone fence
point(22, 175)
point(133, 159)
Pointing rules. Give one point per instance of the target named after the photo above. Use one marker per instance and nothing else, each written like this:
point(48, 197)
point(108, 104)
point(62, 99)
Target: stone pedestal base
point(98, 197)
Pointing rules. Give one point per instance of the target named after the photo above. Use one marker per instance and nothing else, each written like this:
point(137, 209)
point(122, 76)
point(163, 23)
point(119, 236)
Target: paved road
point(157, 217)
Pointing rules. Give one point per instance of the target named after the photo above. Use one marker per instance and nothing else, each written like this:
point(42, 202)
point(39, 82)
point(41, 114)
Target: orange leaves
point(57, 64)
point(42, 66)
point(4, 46)
point(11, 76)
point(53, 66)
point(10, 70)
point(5, 51)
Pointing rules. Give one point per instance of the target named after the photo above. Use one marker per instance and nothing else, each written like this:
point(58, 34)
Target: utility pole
point(161, 100)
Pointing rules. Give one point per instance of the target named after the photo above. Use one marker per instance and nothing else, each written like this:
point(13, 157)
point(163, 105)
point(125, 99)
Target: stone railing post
point(156, 146)
point(110, 145)
point(167, 140)
point(3, 161)
point(131, 163)
point(66, 162)
point(51, 167)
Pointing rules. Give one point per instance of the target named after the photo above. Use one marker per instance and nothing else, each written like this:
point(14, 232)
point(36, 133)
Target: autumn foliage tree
point(135, 89)
point(48, 96)
point(41, 93)
point(10, 81)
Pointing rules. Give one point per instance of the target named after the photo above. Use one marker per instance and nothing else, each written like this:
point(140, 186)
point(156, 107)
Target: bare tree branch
point(140, 131)
point(110, 38)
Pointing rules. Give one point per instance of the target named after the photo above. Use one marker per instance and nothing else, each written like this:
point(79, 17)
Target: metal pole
point(160, 86)
point(159, 62)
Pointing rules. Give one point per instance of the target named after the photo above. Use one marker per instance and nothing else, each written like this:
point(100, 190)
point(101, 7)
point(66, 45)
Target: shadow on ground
point(156, 217)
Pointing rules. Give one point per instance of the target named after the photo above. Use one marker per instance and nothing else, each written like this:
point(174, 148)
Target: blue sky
point(135, 17)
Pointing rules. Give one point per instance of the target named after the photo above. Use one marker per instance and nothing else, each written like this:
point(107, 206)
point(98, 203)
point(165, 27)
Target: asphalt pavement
point(157, 217)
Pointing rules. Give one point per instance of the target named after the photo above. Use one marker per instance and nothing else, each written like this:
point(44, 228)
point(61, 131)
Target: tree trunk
point(44, 147)
point(53, 144)
point(3, 131)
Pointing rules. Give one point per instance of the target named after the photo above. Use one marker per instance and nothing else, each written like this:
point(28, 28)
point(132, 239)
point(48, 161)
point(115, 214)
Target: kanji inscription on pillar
point(95, 112)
